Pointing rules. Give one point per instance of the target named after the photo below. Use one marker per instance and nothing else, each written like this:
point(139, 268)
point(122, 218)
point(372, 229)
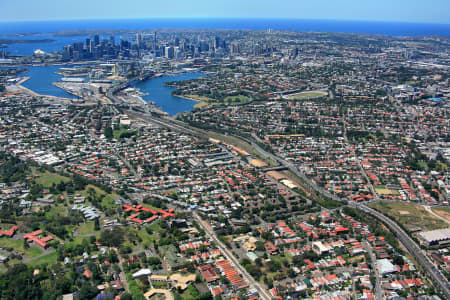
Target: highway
point(437, 277)
point(434, 273)
point(227, 253)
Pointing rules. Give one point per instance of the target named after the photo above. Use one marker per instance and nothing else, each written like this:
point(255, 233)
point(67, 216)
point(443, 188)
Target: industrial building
point(435, 237)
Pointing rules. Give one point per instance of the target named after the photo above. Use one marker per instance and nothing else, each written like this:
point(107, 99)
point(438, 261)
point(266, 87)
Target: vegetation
point(409, 215)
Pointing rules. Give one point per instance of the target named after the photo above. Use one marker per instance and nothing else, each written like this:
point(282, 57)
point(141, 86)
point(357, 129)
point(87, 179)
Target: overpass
point(279, 168)
point(116, 88)
point(433, 272)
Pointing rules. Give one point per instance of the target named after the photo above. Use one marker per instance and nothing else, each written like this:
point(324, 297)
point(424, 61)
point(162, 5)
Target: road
point(437, 277)
point(127, 164)
point(232, 259)
point(378, 289)
point(434, 273)
point(428, 209)
point(122, 275)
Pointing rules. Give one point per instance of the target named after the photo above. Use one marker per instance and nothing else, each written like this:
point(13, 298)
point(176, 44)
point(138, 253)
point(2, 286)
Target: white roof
point(142, 272)
point(385, 266)
point(435, 235)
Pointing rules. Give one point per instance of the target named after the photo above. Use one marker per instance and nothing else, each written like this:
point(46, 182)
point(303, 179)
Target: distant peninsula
point(25, 41)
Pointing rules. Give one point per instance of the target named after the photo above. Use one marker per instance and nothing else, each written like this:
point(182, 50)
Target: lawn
point(123, 132)
point(147, 239)
point(236, 99)
point(17, 245)
point(77, 240)
point(382, 190)
point(33, 252)
point(201, 105)
point(190, 293)
point(409, 215)
point(307, 95)
point(47, 179)
point(6, 242)
point(107, 201)
point(87, 228)
point(49, 259)
point(56, 210)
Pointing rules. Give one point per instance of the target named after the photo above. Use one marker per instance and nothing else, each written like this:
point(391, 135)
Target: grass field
point(107, 201)
point(409, 215)
point(382, 190)
point(206, 101)
point(49, 259)
point(56, 210)
point(117, 133)
point(77, 240)
point(201, 104)
point(236, 99)
point(47, 179)
point(87, 228)
point(307, 95)
point(17, 245)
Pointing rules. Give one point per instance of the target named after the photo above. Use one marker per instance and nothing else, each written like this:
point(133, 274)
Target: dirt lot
point(410, 215)
point(277, 175)
point(258, 163)
point(443, 212)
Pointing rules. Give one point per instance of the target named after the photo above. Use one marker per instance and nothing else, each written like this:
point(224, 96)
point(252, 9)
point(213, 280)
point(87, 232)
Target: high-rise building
point(111, 40)
point(217, 43)
point(96, 40)
point(138, 40)
point(170, 52)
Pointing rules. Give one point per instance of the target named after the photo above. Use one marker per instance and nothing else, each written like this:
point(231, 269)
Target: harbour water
point(41, 79)
point(43, 29)
point(157, 92)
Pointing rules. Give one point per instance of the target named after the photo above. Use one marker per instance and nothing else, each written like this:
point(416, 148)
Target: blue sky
point(430, 11)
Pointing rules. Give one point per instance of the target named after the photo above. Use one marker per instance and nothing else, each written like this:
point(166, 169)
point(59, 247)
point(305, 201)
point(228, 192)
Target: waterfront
point(41, 79)
point(157, 92)
point(44, 29)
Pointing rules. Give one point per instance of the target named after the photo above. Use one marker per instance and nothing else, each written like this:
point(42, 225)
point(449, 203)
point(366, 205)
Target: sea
point(43, 29)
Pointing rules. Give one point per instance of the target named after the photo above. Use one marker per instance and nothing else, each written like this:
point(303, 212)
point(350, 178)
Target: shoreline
point(34, 94)
point(199, 103)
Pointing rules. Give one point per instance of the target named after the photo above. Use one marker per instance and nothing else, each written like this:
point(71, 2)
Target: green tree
point(108, 132)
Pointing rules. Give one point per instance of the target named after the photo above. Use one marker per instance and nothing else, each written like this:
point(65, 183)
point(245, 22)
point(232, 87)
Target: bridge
point(279, 168)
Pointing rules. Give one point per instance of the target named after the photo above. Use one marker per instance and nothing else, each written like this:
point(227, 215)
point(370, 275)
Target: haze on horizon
point(436, 11)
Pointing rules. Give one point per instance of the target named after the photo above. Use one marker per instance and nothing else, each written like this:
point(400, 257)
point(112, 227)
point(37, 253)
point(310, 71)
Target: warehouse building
point(435, 237)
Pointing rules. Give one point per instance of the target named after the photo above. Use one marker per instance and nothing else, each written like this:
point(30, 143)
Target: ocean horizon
point(361, 27)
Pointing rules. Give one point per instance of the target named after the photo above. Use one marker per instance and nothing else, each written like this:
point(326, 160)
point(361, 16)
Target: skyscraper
point(96, 40)
point(138, 40)
point(170, 52)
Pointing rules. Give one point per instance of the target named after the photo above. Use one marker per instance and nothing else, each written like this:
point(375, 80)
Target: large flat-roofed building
point(435, 237)
point(320, 248)
point(385, 266)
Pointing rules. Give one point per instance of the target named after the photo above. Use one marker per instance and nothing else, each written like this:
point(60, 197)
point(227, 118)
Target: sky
point(430, 11)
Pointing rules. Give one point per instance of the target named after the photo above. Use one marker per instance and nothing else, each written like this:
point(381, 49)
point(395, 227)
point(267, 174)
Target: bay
point(41, 78)
point(161, 94)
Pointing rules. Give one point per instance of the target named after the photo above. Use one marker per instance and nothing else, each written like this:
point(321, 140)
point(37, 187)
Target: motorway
point(437, 277)
point(227, 253)
point(434, 273)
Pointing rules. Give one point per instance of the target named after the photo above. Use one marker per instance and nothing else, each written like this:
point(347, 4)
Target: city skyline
point(415, 11)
